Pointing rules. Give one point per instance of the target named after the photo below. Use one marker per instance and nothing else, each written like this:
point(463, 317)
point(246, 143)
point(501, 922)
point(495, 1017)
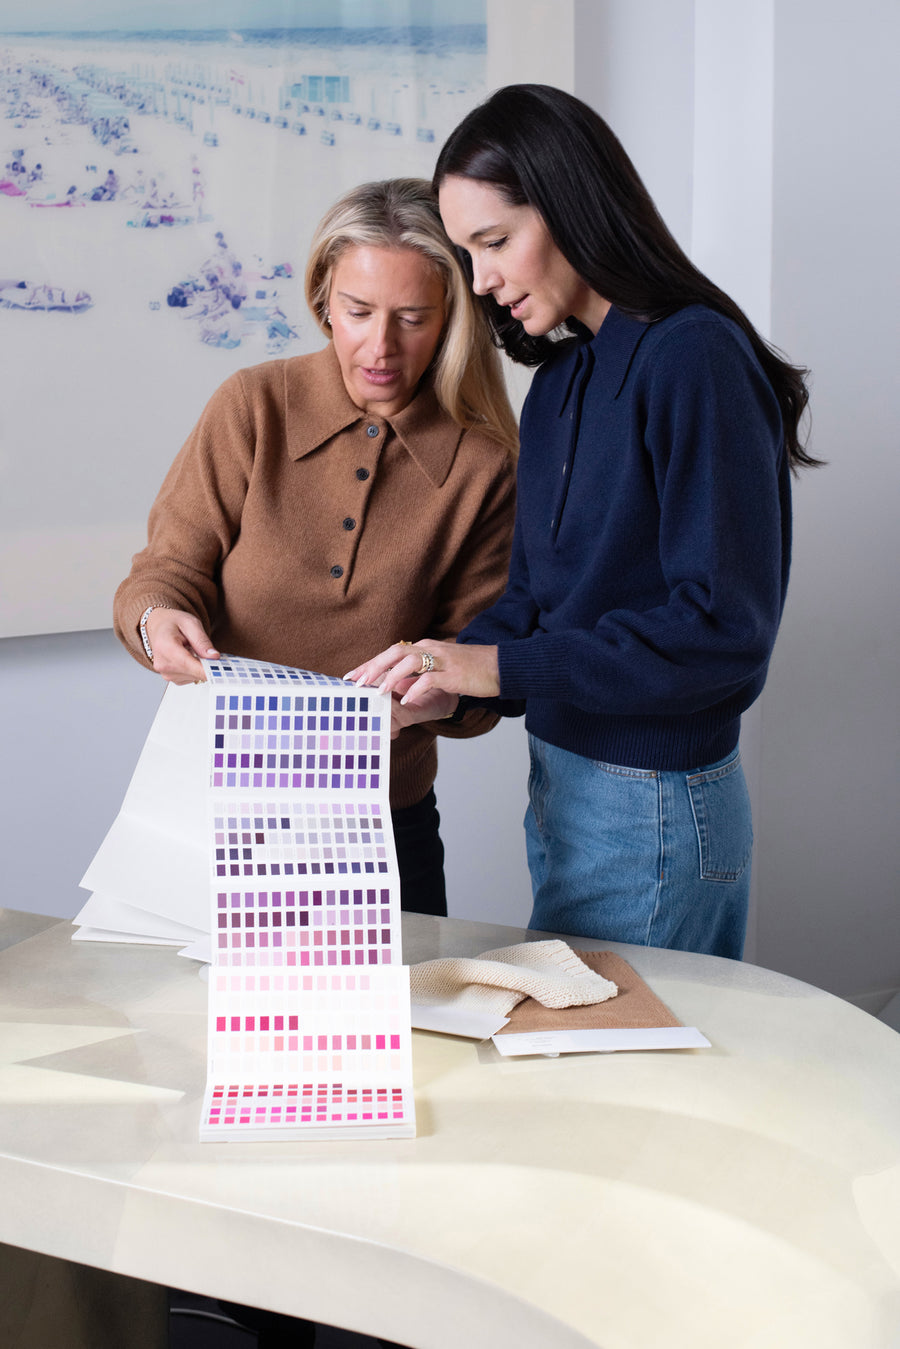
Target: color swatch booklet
point(309, 1016)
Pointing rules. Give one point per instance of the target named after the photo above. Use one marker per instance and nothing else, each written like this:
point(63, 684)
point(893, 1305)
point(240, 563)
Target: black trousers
point(420, 857)
point(420, 860)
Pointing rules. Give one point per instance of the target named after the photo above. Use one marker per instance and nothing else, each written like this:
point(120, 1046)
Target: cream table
point(745, 1196)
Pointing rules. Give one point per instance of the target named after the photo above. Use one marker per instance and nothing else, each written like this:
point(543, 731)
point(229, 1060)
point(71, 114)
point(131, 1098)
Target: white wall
point(829, 824)
point(767, 135)
point(634, 63)
point(74, 712)
point(687, 87)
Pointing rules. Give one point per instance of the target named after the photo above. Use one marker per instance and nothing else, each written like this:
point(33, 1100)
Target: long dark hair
point(541, 147)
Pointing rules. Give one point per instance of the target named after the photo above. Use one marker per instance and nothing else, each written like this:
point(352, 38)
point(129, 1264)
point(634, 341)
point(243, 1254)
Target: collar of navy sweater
point(318, 407)
point(606, 355)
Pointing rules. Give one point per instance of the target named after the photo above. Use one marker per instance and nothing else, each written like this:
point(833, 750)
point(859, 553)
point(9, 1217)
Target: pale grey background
point(767, 133)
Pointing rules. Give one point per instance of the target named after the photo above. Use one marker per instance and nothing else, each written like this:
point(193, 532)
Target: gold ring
point(427, 663)
point(402, 643)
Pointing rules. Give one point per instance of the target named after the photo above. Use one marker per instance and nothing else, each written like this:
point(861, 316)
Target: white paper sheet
point(134, 924)
point(153, 858)
point(599, 1041)
point(85, 933)
point(201, 950)
point(464, 1021)
point(474, 1025)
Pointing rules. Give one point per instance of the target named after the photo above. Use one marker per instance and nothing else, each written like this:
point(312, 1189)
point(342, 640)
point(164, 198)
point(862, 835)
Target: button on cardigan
point(252, 533)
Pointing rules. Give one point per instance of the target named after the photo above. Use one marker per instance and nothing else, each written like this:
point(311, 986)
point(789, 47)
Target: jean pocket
point(537, 780)
point(721, 806)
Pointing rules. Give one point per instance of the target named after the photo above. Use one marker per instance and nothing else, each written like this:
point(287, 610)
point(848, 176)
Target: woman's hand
point(457, 668)
point(433, 706)
point(177, 639)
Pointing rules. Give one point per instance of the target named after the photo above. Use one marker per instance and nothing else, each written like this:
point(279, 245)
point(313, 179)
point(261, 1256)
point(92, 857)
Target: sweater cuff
point(536, 667)
point(501, 707)
point(127, 618)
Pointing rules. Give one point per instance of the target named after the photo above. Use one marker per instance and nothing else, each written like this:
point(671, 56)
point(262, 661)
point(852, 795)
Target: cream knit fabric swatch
point(548, 971)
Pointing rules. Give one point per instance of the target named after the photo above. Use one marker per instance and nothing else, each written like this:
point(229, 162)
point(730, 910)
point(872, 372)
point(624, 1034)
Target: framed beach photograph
point(161, 172)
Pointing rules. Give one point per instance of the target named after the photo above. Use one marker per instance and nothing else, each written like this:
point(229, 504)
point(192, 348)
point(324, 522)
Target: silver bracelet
point(142, 628)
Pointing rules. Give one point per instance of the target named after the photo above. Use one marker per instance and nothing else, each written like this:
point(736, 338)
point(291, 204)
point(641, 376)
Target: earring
point(328, 317)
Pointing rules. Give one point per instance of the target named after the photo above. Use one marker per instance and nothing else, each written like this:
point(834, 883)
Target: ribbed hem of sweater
point(666, 744)
point(673, 742)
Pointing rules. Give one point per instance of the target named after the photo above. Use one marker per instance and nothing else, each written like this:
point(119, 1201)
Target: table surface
point(746, 1196)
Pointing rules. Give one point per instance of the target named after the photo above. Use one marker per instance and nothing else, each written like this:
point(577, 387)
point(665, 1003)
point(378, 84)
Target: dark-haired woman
point(652, 536)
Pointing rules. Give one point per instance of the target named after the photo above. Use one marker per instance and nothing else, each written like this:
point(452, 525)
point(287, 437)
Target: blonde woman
point(327, 505)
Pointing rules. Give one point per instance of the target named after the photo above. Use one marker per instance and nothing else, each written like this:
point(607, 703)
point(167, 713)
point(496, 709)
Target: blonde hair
point(403, 213)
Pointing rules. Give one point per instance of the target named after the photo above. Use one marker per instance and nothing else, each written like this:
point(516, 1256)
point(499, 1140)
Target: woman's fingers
point(177, 640)
point(446, 666)
point(434, 705)
point(402, 661)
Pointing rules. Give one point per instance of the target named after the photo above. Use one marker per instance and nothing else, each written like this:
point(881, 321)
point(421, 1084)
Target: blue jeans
point(635, 855)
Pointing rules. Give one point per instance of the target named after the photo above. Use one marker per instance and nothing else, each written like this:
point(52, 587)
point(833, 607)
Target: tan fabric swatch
point(548, 971)
point(636, 1005)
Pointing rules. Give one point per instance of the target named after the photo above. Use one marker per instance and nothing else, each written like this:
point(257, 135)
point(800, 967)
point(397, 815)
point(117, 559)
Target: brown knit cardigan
point(301, 530)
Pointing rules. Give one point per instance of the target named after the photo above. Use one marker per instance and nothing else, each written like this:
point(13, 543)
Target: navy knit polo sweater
point(652, 544)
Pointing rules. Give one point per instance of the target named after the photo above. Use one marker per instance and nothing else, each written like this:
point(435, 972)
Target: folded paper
point(149, 875)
